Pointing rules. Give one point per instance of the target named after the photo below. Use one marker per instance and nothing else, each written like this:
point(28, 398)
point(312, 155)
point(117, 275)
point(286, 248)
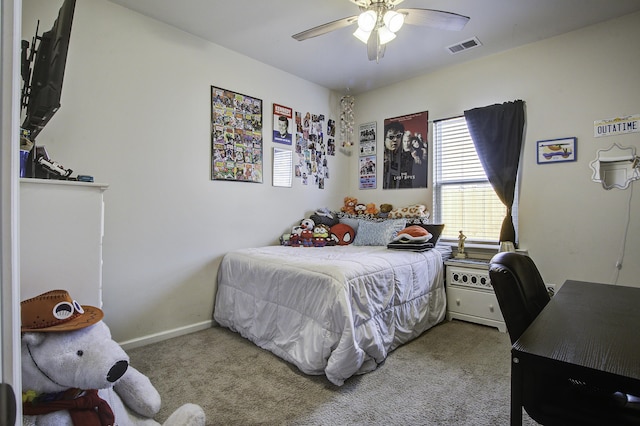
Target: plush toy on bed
point(324, 216)
point(384, 210)
point(412, 211)
point(73, 373)
point(349, 205)
point(371, 209)
point(308, 224)
point(341, 235)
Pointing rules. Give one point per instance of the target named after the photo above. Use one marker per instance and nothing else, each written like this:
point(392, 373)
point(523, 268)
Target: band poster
point(368, 172)
point(236, 136)
point(282, 123)
point(367, 161)
point(367, 138)
point(406, 151)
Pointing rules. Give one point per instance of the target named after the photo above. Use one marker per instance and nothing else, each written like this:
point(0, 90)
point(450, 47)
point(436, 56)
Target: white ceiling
point(262, 29)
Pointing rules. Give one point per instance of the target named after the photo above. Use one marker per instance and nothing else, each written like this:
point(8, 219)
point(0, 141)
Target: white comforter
point(337, 310)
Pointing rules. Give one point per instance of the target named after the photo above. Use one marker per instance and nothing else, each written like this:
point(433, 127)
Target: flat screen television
point(42, 87)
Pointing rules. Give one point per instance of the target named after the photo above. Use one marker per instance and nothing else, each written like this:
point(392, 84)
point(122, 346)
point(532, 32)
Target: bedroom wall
point(135, 114)
point(572, 227)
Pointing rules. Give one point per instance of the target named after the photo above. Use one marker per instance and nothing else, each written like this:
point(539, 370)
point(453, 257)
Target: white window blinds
point(463, 197)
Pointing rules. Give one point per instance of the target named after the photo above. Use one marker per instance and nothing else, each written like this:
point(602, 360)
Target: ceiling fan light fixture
point(362, 35)
point(385, 35)
point(393, 20)
point(367, 20)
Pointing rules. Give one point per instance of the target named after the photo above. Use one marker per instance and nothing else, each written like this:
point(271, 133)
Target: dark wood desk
point(588, 332)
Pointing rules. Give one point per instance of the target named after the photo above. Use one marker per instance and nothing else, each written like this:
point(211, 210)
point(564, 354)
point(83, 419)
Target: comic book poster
point(405, 151)
point(236, 136)
point(282, 124)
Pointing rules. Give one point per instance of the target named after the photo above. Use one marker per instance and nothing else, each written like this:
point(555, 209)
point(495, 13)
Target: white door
point(10, 402)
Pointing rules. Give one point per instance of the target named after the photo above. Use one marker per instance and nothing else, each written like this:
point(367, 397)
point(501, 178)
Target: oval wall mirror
point(615, 167)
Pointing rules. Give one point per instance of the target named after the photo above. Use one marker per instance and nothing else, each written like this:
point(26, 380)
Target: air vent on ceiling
point(465, 45)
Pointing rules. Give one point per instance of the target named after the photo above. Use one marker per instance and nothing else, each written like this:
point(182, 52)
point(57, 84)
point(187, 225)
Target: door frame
point(10, 365)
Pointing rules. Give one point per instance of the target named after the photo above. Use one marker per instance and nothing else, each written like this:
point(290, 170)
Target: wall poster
point(282, 122)
point(312, 149)
point(236, 136)
point(368, 172)
point(405, 151)
point(367, 138)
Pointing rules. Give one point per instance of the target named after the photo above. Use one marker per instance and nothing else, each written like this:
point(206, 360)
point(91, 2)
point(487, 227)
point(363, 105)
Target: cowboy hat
point(56, 311)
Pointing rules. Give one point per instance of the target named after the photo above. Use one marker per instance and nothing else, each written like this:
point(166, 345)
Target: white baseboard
point(164, 335)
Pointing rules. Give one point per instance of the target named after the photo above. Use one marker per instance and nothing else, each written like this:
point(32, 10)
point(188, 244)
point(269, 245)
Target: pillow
point(377, 233)
point(415, 210)
point(351, 221)
point(434, 229)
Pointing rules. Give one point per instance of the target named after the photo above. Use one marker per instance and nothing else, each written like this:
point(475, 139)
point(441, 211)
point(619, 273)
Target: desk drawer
point(473, 302)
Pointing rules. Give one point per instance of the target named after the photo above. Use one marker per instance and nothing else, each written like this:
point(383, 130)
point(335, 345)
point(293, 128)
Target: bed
point(335, 310)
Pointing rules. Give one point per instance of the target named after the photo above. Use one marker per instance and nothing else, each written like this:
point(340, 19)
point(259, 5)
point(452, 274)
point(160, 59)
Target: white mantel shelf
point(102, 186)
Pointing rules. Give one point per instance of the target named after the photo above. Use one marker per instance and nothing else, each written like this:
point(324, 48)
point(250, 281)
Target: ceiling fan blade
point(434, 18)
point(381, 50)
point(372, 46)
point(325, 28)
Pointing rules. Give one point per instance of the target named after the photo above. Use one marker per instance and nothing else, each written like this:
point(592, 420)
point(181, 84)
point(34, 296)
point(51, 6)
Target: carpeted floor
point(457, 373)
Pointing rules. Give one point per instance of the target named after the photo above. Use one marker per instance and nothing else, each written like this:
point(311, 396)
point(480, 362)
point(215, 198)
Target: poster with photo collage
point(236, 136)
point(312, 149)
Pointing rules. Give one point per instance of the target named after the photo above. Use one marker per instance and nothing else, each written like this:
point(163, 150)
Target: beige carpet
point(457, 373)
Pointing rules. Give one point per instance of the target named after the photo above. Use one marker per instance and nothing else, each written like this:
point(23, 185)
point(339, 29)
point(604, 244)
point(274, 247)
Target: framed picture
point(556, 150)
point(236, 136)
point(368, 138)
point(405, 151)
point(368, 172)
point(282, 124)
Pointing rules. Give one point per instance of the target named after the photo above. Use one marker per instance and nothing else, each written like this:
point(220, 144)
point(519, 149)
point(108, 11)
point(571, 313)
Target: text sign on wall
point(616, 126)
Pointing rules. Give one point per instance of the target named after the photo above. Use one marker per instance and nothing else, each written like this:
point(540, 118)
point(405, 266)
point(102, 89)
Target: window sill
point(474, 250)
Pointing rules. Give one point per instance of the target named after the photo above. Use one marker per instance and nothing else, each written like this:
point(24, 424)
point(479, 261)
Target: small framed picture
point(556, 150)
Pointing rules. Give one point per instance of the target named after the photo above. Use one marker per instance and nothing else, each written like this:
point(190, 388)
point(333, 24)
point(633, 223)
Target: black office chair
point(520, 290)
point(522, 294)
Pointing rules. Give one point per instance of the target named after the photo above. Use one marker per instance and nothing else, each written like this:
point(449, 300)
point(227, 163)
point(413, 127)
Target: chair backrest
point(520, 290)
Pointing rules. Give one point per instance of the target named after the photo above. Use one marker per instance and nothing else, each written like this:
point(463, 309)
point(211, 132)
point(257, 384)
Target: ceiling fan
point(379, 21)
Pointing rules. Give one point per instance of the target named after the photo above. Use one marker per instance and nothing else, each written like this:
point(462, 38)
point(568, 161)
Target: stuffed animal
point(324, 216)
point(306, 237)
point(413, 211)
point(341, 234)
point(307, 224)
point(413, 234)
point(371, 209)
point(384, 210)
point(360, 208)
point(320, 235)
point(349, 205)
point(73, 373)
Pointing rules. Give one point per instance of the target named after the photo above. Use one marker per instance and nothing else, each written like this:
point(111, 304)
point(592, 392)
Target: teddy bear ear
point(33, 339)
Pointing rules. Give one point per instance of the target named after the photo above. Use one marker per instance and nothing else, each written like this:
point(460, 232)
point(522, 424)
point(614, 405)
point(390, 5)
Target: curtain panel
point(497, 132)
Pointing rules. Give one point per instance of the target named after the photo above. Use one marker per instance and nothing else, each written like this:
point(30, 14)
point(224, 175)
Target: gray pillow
point(377, 233)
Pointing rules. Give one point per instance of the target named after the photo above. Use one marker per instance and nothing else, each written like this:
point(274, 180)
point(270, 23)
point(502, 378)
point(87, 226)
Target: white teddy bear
point(73, 373)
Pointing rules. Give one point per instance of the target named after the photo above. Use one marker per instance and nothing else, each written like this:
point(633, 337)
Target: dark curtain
point(497, 133)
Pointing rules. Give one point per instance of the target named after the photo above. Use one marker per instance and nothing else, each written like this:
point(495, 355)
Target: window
point(463, 197)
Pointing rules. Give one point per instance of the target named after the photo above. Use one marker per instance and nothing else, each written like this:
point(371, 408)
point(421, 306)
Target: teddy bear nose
point(117, 371)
